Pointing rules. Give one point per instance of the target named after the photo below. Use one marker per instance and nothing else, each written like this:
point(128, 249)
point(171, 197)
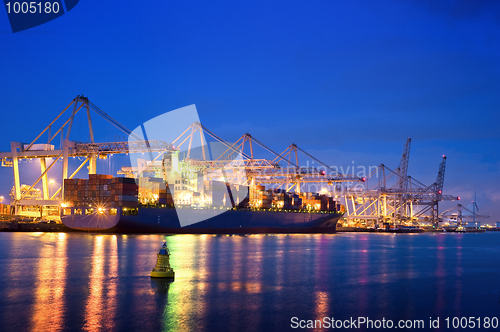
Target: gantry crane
point(239, 158)
point(396, 197)
point(48, 156)
point(432, 195)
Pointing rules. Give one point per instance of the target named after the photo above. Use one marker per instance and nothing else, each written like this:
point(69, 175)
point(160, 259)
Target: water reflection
point(321, 305)
point(440, 275)
point(94, 313)
point(322, 255)
point(159, 289)
point(364, 274)
point(49, 307)
point(459, 273)
point(178, 314)
point(112, 273)
point(101, 304)
point(102, 282)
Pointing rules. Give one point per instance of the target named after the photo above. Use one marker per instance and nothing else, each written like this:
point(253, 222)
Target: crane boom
point(403, 165)
point(440, 177)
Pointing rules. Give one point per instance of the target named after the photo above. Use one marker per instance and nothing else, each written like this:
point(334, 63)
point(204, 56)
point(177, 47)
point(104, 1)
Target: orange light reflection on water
point(94, 306)
point(49, 307)
point(111, 295)
point(321, 305)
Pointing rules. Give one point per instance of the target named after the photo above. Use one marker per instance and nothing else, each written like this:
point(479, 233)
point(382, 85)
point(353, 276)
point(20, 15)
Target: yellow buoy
point(162, 268)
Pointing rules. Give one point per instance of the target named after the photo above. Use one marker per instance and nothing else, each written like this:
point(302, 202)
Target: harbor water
point(78, 281)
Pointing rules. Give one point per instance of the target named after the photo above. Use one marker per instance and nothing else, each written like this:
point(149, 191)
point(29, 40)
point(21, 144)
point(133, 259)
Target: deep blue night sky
point(346, 80)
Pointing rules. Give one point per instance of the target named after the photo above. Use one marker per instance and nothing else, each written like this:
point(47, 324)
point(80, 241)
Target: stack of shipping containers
point(266, 197)
point(279, 198)
point(101, 190)
point(256, 193)
point(4, 209)
point(154, 191)
point(124, 192)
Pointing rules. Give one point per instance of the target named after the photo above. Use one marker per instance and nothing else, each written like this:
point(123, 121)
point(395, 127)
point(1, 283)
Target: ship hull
point(165, 220)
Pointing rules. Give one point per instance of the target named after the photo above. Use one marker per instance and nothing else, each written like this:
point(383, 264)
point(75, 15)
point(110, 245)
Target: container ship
point(180, 180)
point(148, 205)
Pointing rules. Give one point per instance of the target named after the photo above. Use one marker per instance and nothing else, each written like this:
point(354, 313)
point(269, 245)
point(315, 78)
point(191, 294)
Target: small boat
point(162, 268)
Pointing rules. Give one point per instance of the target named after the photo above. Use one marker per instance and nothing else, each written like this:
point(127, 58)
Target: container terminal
point(182, 175)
